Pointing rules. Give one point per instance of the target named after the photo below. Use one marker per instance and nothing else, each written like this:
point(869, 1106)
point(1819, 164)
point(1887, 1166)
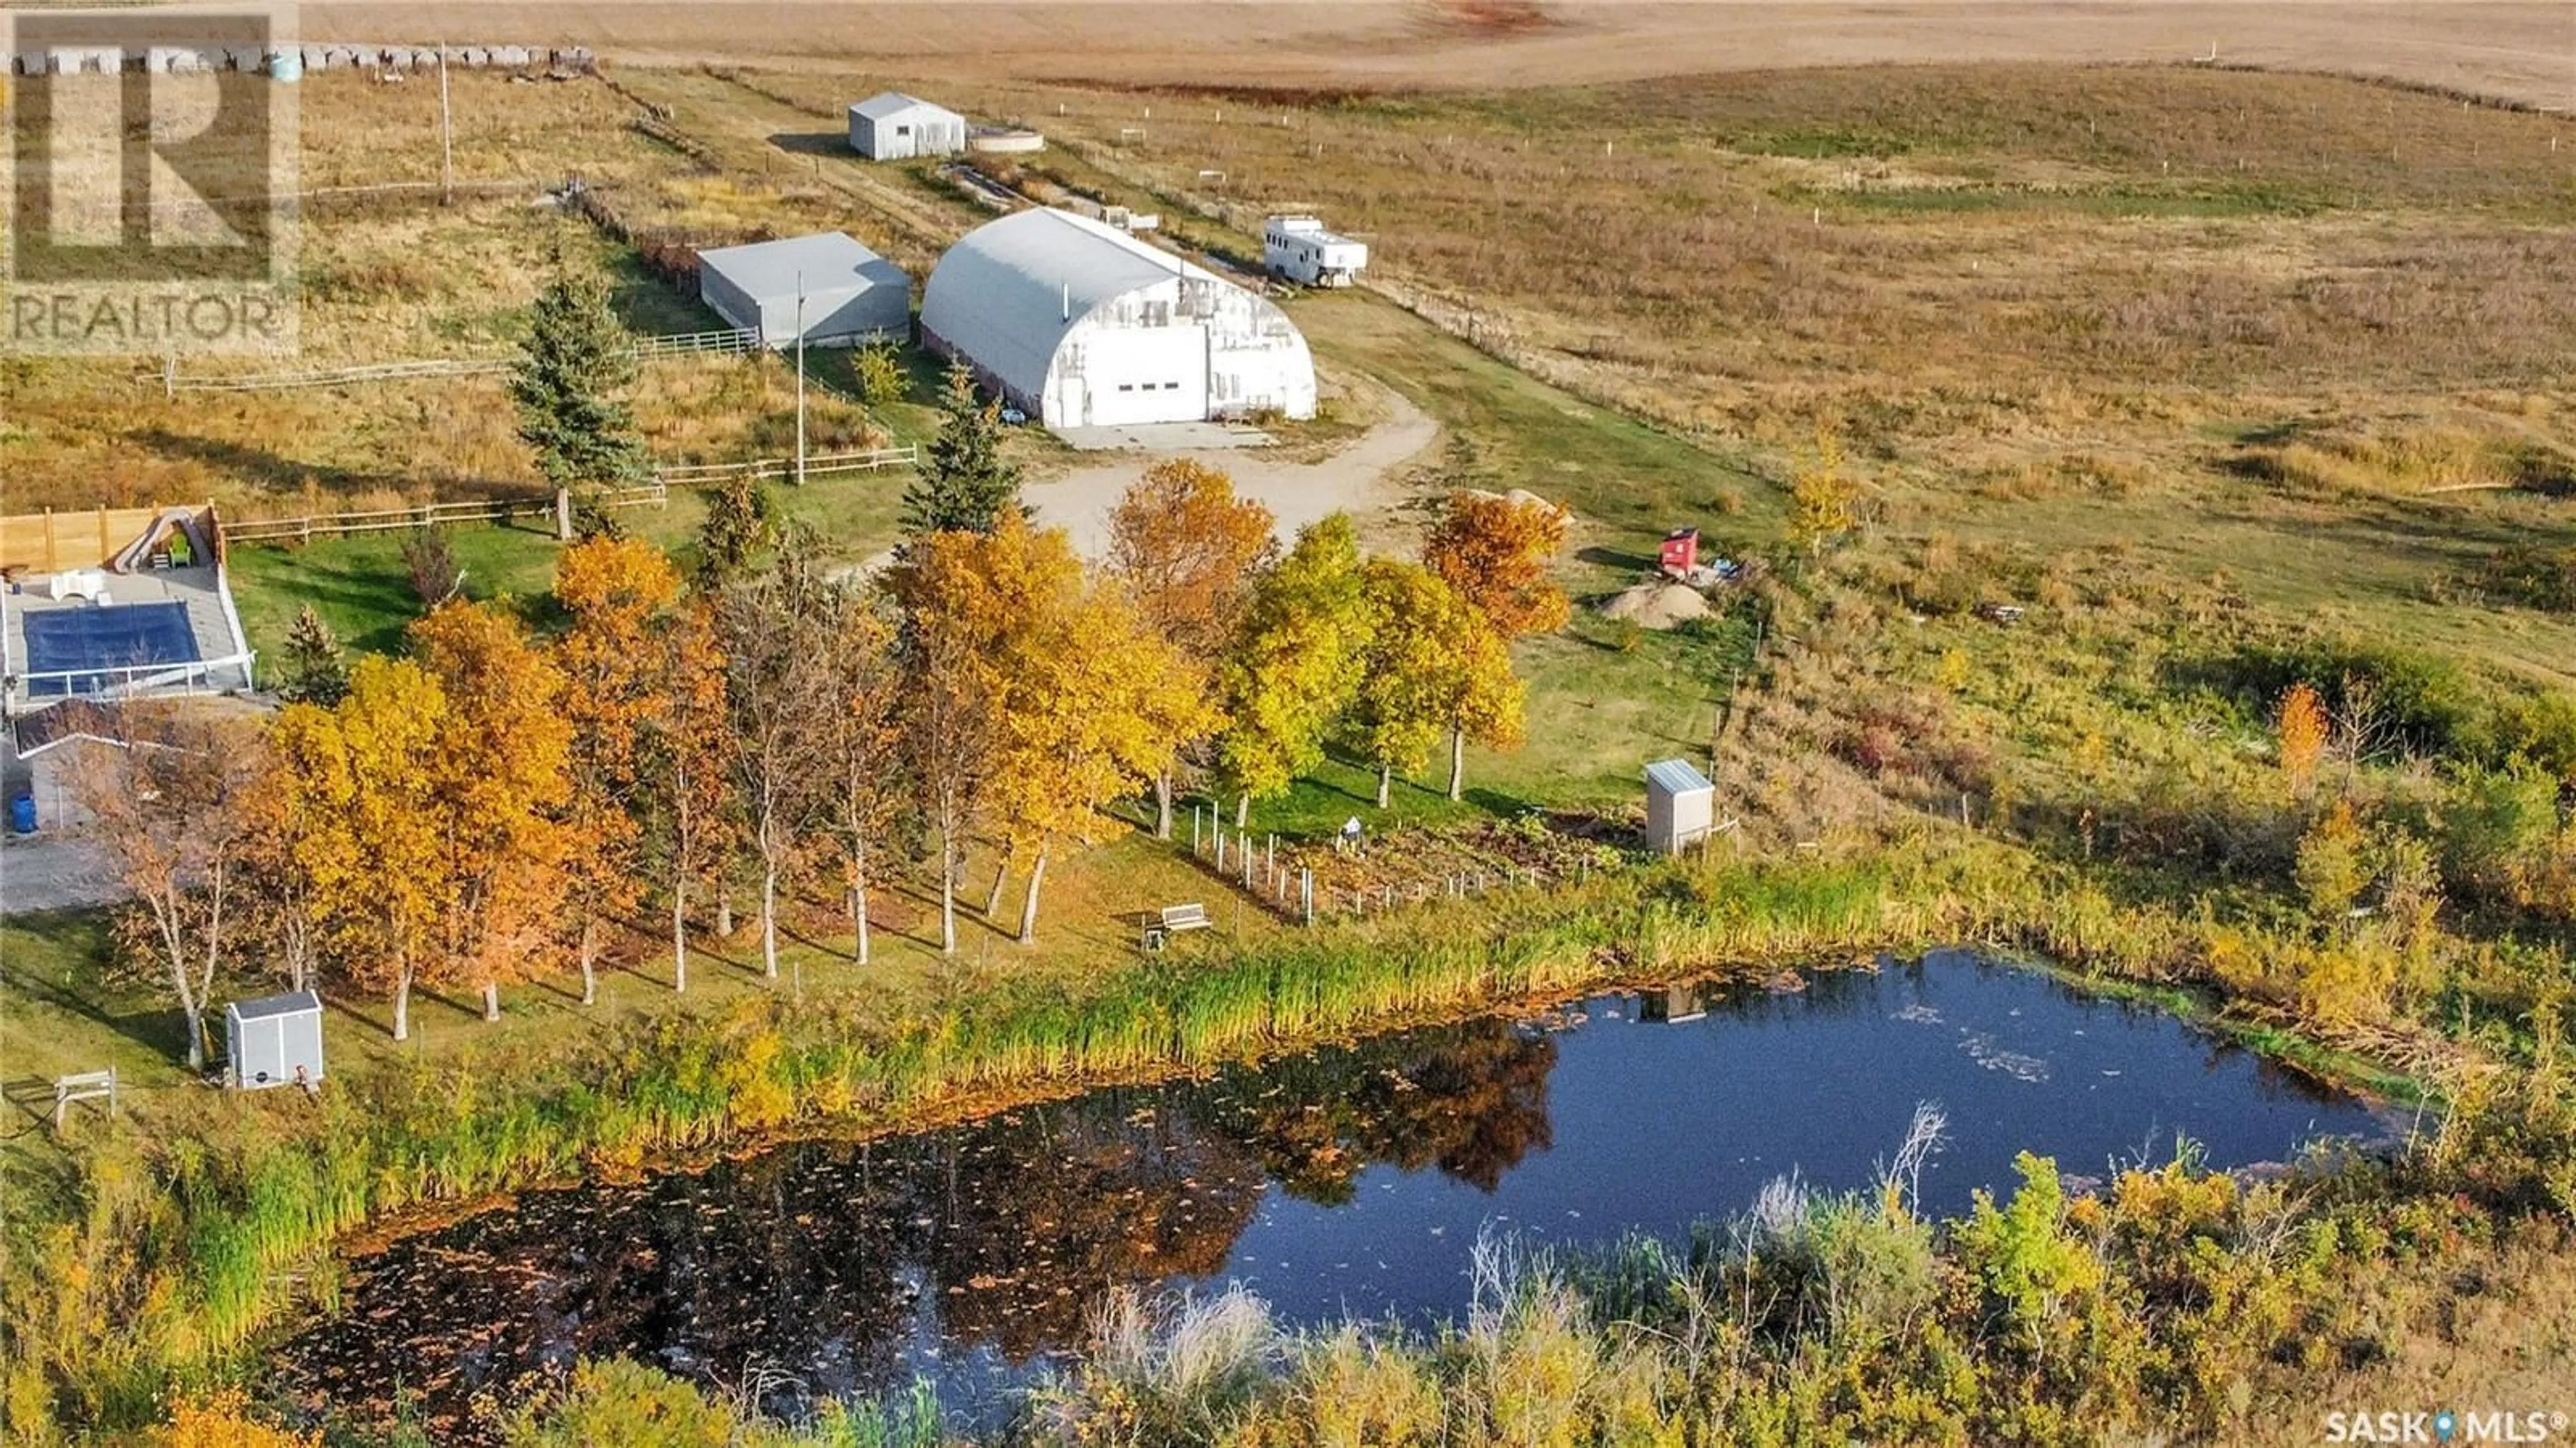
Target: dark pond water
point(1346, 1181)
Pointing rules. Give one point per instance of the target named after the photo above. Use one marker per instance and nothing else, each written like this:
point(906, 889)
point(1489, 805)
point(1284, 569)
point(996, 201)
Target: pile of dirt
point(1657, 604)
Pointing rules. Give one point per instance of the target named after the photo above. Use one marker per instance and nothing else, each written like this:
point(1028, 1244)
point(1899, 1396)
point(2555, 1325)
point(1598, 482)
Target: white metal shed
point(1082, 325)
point(897, 127)
point(274, 1041)
point(1681, 806)
point(851, 294)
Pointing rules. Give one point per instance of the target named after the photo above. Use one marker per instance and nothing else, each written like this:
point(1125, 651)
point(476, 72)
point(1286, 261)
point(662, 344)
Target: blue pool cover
point(62, 641)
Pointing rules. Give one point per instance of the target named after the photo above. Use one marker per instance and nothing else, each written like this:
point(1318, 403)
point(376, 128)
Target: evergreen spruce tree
point(741, 522)
point(577, 364)
point(965, 484)
point(316, 671)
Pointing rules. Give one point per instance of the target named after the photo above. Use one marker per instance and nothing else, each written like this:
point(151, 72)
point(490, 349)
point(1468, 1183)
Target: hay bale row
point(180, 59)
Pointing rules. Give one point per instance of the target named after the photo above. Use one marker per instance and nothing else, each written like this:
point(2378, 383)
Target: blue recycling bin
point(22, 814)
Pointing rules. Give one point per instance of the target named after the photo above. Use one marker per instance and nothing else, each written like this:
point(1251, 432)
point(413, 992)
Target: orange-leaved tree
point(1498, 553)
point(303, 865)
point(1293, 662)
point(1188, 550)
point(2304, 731)
point(504, 748)
point(614, 590)
point(959, 594)
point(1096, 703)
point(1436, 666)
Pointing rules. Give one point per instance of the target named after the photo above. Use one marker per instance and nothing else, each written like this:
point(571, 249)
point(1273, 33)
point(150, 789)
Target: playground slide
point(182, 521)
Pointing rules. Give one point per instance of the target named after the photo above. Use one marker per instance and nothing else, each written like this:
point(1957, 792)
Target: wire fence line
point(725, 341)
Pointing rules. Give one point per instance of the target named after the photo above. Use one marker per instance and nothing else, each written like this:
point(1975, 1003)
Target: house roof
point(293, 1003)
point(827, 261)
point(886, 104)
point(1009, 290)
point(1676, 776)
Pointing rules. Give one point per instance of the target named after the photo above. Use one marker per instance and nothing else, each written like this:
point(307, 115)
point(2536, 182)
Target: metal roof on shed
point(1009, 290)
point(894, 103)
point(1676, 776)
point(827, 260)
point(293, 1003)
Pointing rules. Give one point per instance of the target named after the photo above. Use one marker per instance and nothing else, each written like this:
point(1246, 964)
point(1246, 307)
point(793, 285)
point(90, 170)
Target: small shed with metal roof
point(1681, 806)
point(892, 126)
point(827, 286)
point(274, 1041)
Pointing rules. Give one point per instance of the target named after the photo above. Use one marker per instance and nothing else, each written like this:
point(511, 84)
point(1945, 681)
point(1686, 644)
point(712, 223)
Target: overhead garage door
point(1146, 374)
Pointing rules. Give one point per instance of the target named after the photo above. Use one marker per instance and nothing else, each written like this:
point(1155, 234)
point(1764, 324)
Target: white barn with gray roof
point(1080, 325)
point(897, 127)
point(851, 294)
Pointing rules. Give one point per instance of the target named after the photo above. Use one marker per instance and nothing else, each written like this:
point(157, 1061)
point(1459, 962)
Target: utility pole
point(446, 136)
point(800, 379)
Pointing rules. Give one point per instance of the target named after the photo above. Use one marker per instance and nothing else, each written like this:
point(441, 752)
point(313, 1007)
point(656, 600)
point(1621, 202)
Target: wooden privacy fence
point(426, 515)
point(49, 542)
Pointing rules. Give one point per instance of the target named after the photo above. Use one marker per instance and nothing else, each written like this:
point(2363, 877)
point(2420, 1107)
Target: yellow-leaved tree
point(502, 779)
point(1293, 664)
point(1188, 550)
point(1096, 703)
point(1435, 668)
point(1824, 498)
point(2304, 731)
point(386, 731)
point(613, 590)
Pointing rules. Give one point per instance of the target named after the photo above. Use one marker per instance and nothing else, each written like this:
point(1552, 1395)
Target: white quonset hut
point(898, 127)
point(1681, 806)
point(851, 293)
point(1081, 325)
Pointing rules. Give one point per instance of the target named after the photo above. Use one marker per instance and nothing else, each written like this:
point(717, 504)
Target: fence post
point(1306, 892)
point(563, 515)
point(1194, 831)
point(1220, 851)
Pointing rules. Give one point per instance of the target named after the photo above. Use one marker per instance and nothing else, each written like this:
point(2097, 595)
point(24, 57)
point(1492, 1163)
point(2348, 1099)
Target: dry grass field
point(2517, 49)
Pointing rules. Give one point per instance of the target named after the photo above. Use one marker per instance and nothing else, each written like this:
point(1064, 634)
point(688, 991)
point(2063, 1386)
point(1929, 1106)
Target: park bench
point(1161, 925)
point(83, 1086)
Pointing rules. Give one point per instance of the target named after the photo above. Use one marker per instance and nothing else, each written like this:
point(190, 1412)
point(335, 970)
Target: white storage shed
point(851, 294)
point(1681, 806)
point(274, 1041)
point(898, 127)
point(1300, 249)
point(1080, 325)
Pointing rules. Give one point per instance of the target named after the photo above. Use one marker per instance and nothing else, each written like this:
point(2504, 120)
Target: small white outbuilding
point(849, 293)
point(274, 1041)
point(1681, 806)
point(1079, 324)
point(897, 127)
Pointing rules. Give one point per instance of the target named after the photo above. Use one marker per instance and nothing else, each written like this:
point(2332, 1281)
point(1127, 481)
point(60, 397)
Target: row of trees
point(494, 804)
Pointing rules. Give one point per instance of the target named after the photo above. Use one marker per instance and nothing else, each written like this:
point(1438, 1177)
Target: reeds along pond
point(172, 1256)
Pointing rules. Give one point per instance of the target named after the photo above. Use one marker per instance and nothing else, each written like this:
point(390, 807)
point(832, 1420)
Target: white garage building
point(1081, 325)
point(897, 127)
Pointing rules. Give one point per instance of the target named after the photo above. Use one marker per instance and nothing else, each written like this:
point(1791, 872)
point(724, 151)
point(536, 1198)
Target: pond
point(1346, 1181)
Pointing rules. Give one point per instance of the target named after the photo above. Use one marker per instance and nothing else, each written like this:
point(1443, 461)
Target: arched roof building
point(1081, 325)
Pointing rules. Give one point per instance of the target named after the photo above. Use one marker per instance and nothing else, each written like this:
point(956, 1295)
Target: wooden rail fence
point(425, 515)
point(816, 465)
